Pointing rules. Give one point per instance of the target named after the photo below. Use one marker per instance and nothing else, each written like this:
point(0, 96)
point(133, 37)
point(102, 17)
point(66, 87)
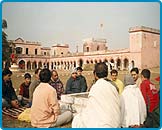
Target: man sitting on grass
point(45, 109)
point(9, 98)
point(23, 96)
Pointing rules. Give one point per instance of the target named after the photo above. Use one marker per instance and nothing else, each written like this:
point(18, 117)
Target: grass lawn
point(17, 79)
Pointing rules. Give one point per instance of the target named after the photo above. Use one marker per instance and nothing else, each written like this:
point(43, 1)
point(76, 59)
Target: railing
point(32, 56)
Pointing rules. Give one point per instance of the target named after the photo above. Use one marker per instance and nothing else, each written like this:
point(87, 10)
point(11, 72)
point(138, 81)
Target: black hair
point(45, 75)
point(146, 73)
point(113, 71)
point(135, 69)
point(101, 70)
point(27, 75)
point(79, 68)
point(53, 71)
point(6, 72)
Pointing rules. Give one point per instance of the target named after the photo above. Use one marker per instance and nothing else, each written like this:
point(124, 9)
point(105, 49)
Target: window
point(98, 47)
point(87, 49)
point(54, 53)
point(45, 53)
point(18, 50)
point(27, 51)
point(35, 51)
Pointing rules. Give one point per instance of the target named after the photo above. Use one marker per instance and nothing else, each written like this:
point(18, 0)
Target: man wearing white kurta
point(103, 106)
point(133, 108)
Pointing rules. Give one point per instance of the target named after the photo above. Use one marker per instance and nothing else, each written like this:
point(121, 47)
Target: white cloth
point(133, 108)
point(103, 108)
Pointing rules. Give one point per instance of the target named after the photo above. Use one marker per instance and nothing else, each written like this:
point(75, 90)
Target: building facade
point(143, 52)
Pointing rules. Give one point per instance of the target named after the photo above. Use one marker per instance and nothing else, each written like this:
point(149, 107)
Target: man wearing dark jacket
point(9, 98)
point(74, 84)
point(82, 78)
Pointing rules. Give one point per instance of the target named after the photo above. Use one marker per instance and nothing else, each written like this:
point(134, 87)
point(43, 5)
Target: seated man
point(82, 78)
point(103, 105)
point(74, 84)
point(33, 85)
point(45, 109)
point(56, 83)
point(23, 96)
point(9, 98)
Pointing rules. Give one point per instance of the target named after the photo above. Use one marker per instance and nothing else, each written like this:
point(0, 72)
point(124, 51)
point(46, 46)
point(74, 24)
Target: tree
point(6, 51)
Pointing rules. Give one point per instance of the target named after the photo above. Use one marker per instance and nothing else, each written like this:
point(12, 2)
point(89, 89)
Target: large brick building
point(143, 52)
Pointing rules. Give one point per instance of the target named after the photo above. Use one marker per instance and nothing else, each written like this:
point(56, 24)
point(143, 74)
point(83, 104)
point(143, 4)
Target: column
point(31, 66)
point(115, 65)
point(122, 65)
point(37, 64)
point(26, 66)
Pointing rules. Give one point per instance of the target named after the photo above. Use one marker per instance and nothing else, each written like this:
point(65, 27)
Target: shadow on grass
point(9, 122)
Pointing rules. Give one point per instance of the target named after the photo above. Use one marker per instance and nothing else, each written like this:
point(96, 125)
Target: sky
point(71, 22)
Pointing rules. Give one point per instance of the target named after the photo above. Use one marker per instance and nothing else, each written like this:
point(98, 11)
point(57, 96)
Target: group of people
point(75, 84)
point(42, 95)
point(111, 103)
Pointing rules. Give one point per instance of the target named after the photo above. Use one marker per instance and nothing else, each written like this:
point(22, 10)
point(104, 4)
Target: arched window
point(98, 47)
point(18, 50)
point(87, 49)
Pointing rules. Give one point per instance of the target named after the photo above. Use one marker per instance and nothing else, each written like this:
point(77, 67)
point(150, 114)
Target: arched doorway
point(34, 65)
point(74, 64)
point(111, 64)
point(58, 65)
point(133, 64)
point(54, 65)
point(28, 65)
point(48, 65)
point(95, 61)
point(64, 65)
point(106, 61)
point(68, 65)
point(87, 62)
point(80, 63)
point(51, 65)
point(126, 64)
point(39, 64)
point(118, 64)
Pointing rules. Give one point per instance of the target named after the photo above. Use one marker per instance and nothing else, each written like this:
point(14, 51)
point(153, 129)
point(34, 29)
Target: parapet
point(144, 29)
point(101, 40)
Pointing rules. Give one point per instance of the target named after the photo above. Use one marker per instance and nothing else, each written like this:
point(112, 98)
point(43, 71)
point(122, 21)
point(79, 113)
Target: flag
point(101, 25)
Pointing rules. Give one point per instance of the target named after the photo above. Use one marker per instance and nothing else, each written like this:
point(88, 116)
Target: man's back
point(32, 87)
point(45, 107)
point(133, 107)
point(103, 107)
point(150, 94)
